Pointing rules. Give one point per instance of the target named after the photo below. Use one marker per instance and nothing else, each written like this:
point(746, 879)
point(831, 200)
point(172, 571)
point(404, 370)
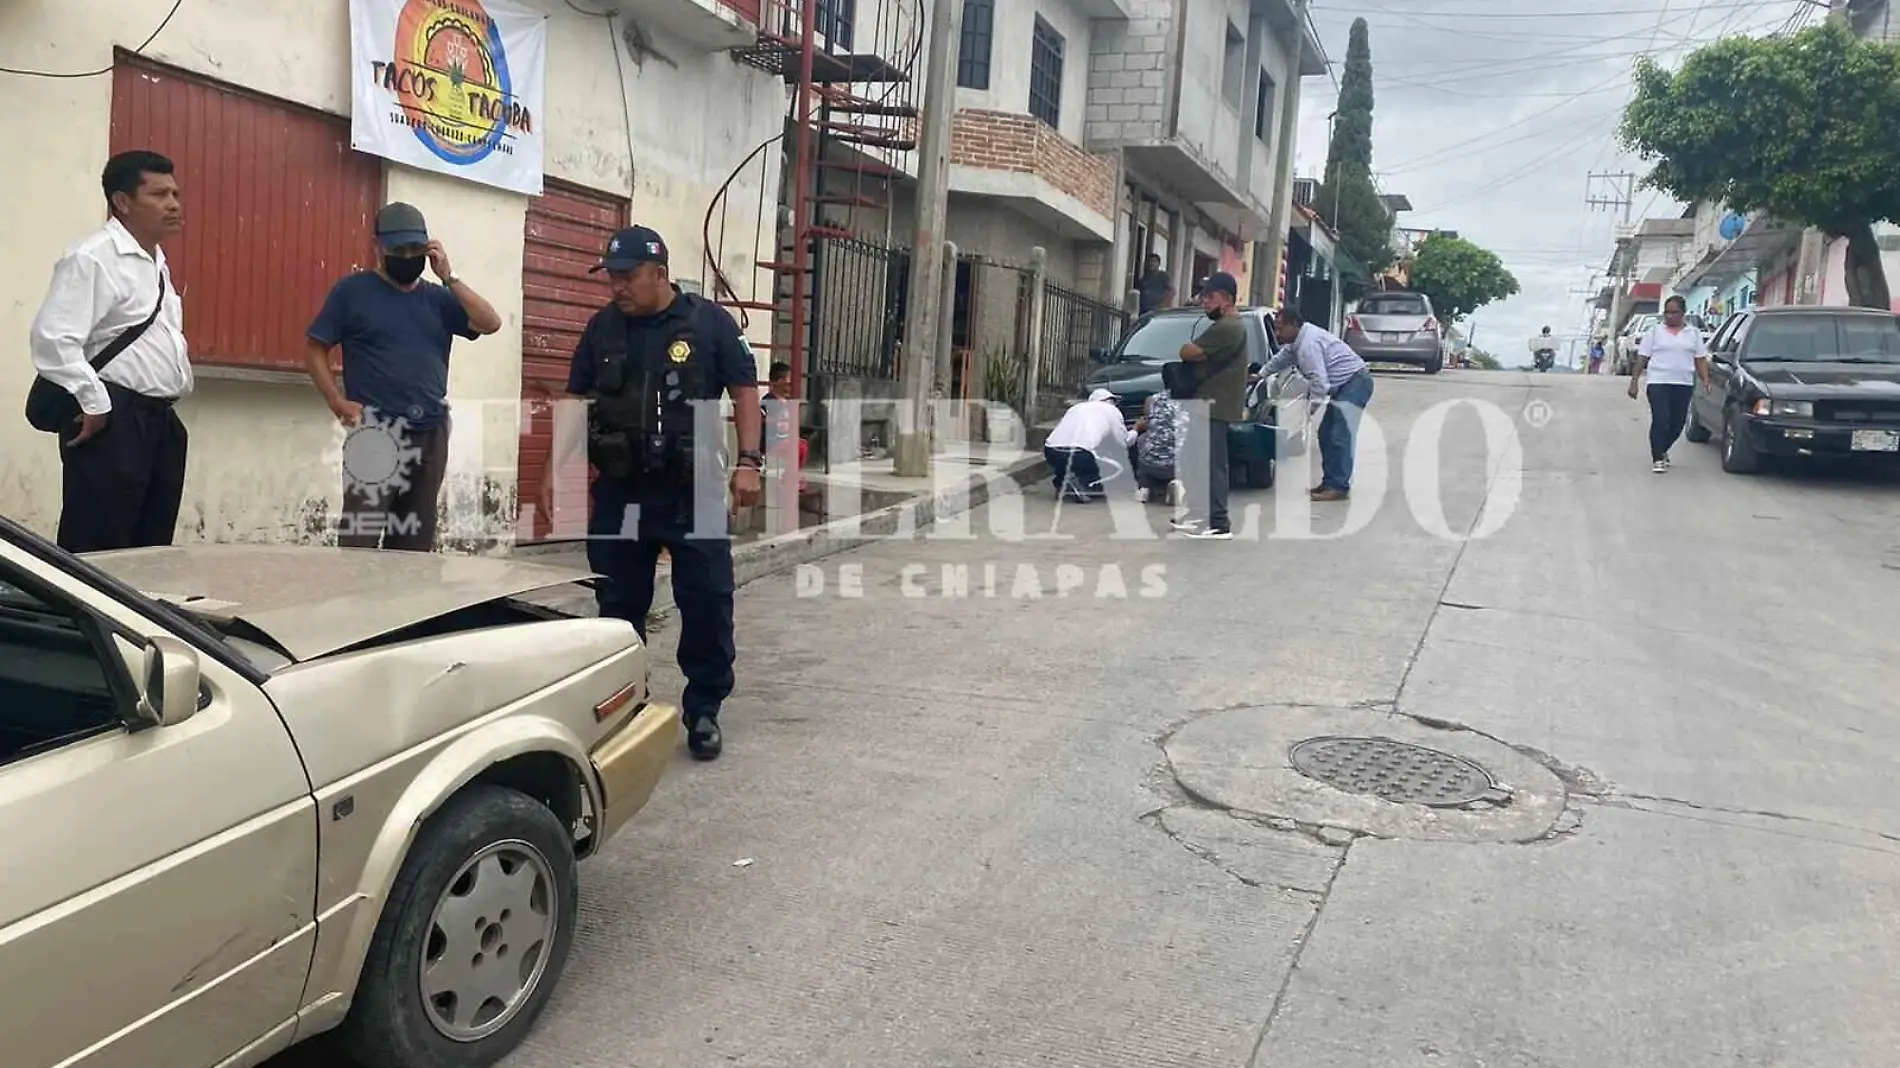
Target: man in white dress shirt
point(1090, 435)
point(122, 446)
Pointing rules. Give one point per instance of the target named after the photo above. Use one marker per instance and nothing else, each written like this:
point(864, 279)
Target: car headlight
point(1792, 409)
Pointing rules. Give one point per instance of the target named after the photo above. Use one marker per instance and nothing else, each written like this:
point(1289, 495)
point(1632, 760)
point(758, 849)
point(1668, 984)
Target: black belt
point(126, 394)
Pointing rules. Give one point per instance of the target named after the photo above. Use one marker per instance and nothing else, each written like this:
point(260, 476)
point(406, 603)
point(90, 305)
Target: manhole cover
point(1395, 771)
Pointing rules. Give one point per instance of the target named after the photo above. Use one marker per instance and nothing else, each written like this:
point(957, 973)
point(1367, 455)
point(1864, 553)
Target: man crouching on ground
point(1081, 443)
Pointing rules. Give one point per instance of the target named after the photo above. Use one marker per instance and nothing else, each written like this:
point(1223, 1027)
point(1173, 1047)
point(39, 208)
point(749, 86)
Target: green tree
point(1458, 277)
point(1482, 360)
point(1805, 128)
point(1348, 200)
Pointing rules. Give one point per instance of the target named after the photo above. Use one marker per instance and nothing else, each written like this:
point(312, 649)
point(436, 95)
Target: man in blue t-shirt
point(395, 331)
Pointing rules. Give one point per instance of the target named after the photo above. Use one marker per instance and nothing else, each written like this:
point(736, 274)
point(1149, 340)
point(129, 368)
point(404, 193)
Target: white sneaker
point(1665, 461)
point(1141, 495)
point(1659, 466)
point(1209, 535)
point(1184, 523)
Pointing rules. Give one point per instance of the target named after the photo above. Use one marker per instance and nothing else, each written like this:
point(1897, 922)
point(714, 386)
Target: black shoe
point(702, 738)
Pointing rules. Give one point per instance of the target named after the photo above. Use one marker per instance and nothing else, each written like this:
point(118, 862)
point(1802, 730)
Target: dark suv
point(1801, 381)
point(1132, 371)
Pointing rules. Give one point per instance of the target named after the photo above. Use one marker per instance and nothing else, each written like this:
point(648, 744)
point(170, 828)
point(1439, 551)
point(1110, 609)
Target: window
point(835, 19)
point(277, 208)
point(973, 52)
point(1393, 304)
point(1871, 337)
point(1160, 338)
point(1232, 68)
point(1263, 109)
point(1045, 74)
point(55, 687)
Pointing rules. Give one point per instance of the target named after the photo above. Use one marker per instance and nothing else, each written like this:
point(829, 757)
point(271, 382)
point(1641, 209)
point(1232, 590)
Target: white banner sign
point(453, 86)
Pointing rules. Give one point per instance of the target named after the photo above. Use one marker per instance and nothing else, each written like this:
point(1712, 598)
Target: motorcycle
point(1543, 351)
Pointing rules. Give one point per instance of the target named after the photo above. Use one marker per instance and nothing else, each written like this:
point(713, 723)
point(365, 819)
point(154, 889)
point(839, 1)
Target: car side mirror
point(168, 683)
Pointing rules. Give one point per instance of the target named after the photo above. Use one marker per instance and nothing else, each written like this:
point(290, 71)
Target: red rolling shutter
point(567, 230)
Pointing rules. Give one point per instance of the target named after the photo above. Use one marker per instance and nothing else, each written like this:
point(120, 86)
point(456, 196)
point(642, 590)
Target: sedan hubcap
point(488, 941)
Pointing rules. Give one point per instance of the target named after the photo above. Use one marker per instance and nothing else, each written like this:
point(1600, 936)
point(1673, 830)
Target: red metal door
point(567, 230)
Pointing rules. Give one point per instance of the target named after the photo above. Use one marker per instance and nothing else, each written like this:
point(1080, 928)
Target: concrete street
point(1006, 831)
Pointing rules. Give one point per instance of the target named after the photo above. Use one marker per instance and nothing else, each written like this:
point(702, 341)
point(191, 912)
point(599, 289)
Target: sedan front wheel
point(1738, 456)
point(472, 939)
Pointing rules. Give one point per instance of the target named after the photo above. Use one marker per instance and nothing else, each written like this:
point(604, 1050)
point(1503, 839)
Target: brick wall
point(1001, 140)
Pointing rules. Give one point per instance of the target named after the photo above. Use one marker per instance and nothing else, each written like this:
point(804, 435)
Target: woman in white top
point(1676, 357)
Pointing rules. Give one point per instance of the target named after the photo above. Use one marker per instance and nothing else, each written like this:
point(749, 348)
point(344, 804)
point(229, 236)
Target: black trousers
point(1207, 495)
point(122, 487)
point(1668, 414)
point(1074, 472)
point(626, 531)
point(399, 518)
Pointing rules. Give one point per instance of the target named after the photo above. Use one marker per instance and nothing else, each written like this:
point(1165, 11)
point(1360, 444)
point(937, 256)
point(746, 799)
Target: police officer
point(653, 364)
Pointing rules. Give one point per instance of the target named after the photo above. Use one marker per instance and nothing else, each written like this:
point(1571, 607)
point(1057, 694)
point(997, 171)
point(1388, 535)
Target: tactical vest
point(640, 426)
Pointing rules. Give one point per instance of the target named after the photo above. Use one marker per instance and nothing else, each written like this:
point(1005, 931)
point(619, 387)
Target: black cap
point(630, 248)
point(1221, 282)
point(401, 224)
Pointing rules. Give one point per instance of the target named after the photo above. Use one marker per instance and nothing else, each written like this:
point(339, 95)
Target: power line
point(1596, 14)
point(1488, 134)
point(1555, 156)
point(176, 4)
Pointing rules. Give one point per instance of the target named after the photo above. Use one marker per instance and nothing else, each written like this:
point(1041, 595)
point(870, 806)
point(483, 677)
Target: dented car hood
point(315, 601)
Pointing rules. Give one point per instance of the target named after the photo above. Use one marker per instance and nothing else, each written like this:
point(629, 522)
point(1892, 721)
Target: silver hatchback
point(1397, 328)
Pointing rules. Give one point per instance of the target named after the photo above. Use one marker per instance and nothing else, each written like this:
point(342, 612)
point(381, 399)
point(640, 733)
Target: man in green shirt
point(1218, 356)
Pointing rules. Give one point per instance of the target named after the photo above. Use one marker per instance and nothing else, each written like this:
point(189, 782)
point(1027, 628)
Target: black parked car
point(1801, 381)
point(1132, 371)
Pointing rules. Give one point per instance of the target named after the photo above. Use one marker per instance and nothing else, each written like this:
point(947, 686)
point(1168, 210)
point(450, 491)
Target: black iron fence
point(857, 306)
point(1075, 331)
point(860, 293)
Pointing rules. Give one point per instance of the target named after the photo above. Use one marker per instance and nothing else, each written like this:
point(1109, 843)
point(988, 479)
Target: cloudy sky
point(1490, 117)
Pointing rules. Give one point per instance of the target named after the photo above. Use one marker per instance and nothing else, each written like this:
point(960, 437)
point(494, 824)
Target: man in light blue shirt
point(1336, 374)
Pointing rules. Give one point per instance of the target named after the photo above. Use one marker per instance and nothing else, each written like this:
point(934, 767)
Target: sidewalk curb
point(770, 556)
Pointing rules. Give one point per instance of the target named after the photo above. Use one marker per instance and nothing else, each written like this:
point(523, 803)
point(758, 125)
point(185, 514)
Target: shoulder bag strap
point(131, 333)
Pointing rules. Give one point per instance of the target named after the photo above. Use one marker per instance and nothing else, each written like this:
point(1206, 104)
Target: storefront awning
point(1763, 237)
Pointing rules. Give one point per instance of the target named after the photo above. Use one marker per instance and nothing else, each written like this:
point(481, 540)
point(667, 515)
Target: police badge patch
point(679, 351)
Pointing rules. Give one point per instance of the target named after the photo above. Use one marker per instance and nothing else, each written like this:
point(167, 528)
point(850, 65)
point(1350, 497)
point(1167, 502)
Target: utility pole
point(925, 296)
point(1607, 192)
point(1611, 191)
point(1281, 216)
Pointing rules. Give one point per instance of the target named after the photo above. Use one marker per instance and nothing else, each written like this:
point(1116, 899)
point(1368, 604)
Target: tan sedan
point(253, 794)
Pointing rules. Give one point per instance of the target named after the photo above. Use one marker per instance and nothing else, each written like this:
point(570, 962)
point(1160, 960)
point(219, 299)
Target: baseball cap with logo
point(630, 248)
point(401, 224)
point(1221, 282)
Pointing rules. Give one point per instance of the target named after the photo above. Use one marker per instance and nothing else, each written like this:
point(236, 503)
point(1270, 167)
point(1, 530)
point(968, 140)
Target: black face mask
point(1215, 313)
point(404, 269)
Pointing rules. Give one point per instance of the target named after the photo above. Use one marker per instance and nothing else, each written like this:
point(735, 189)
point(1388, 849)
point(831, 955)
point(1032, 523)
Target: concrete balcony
point(1043, 175)
point(706, 25)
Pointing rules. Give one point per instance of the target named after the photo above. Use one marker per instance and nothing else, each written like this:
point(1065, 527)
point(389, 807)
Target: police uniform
point(659, 484)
